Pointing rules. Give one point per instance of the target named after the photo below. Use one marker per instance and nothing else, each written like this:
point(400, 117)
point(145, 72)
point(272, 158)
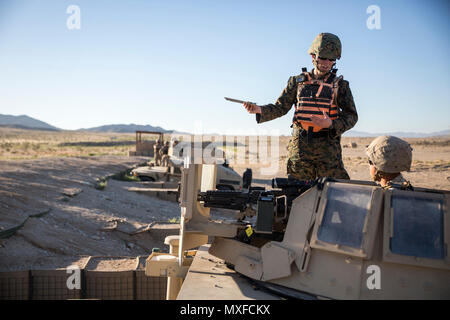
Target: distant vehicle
point(226, 179)
point(148, 173)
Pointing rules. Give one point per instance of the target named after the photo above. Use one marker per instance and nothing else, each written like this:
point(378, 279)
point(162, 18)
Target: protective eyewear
point(332, 60)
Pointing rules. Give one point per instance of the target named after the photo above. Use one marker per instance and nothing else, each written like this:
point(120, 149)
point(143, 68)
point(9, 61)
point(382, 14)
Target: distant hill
point(400, 134)
point(24, 122)
point(125, 128)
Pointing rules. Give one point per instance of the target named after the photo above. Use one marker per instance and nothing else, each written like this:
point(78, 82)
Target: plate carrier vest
point(315, 96)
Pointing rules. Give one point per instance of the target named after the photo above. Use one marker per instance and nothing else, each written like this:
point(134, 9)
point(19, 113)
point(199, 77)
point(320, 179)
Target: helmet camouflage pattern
point(326, 45)
point(390, 154)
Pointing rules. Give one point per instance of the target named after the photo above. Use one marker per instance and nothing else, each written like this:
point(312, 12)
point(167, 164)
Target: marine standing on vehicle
point(324, 110)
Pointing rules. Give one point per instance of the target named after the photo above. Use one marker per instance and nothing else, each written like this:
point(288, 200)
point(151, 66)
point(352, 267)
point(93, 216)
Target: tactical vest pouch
point(314, 98)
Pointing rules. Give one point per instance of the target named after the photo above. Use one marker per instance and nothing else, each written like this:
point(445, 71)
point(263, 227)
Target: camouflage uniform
point(156, 149)
point(164, 154)
point(398, 180)
point(322, 157)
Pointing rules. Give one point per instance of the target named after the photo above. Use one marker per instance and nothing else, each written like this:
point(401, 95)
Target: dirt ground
point(430, 167)
point(91, 223)
point(83, 221)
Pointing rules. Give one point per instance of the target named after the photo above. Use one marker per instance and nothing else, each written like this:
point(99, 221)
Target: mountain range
point(26, 122)
point(125, 128)
point(400, 134)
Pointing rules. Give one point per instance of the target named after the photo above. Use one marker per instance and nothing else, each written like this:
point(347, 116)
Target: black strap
point(308, 134)
point(331, 78)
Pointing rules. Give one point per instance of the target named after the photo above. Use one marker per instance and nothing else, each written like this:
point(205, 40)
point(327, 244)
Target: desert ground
point(430, 167)
point(53, 178)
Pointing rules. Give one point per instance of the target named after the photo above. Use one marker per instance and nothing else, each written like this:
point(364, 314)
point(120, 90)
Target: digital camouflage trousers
point(321, 157)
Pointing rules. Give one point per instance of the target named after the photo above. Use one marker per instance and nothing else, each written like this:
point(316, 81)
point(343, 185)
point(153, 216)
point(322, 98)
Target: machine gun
point(272, 206)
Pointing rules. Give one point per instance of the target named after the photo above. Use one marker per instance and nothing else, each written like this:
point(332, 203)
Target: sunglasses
point(332, 60)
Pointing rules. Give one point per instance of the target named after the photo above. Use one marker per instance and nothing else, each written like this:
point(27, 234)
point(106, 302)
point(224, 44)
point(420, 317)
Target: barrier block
point(110, 285)
point(150, 288)
point(14, 285)
point(52, 285)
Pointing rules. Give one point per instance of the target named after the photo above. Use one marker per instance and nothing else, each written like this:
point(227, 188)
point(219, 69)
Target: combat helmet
point(390, 154)
point(326, 45)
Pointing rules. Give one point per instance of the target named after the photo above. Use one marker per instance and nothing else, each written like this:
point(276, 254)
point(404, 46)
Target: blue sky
point(170, 63)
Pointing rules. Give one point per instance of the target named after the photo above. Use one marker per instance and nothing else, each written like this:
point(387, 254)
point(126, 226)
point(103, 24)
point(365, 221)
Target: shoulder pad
point(344, 83)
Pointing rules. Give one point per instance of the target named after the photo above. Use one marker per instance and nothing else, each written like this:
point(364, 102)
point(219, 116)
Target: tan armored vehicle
point(226, 178)
point(328, 239)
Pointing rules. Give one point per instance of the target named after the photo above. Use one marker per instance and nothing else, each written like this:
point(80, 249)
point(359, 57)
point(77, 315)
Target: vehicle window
point(418, 226)
point(344, 215)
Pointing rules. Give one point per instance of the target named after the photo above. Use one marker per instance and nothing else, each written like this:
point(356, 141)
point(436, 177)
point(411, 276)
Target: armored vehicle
point(226, 178)
point(324, 239)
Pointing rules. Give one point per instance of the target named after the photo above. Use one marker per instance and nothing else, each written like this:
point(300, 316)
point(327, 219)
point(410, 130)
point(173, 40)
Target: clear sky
point(170, 63)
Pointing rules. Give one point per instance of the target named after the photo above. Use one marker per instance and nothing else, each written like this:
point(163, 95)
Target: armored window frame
point(369, 228)
point(388, 227)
